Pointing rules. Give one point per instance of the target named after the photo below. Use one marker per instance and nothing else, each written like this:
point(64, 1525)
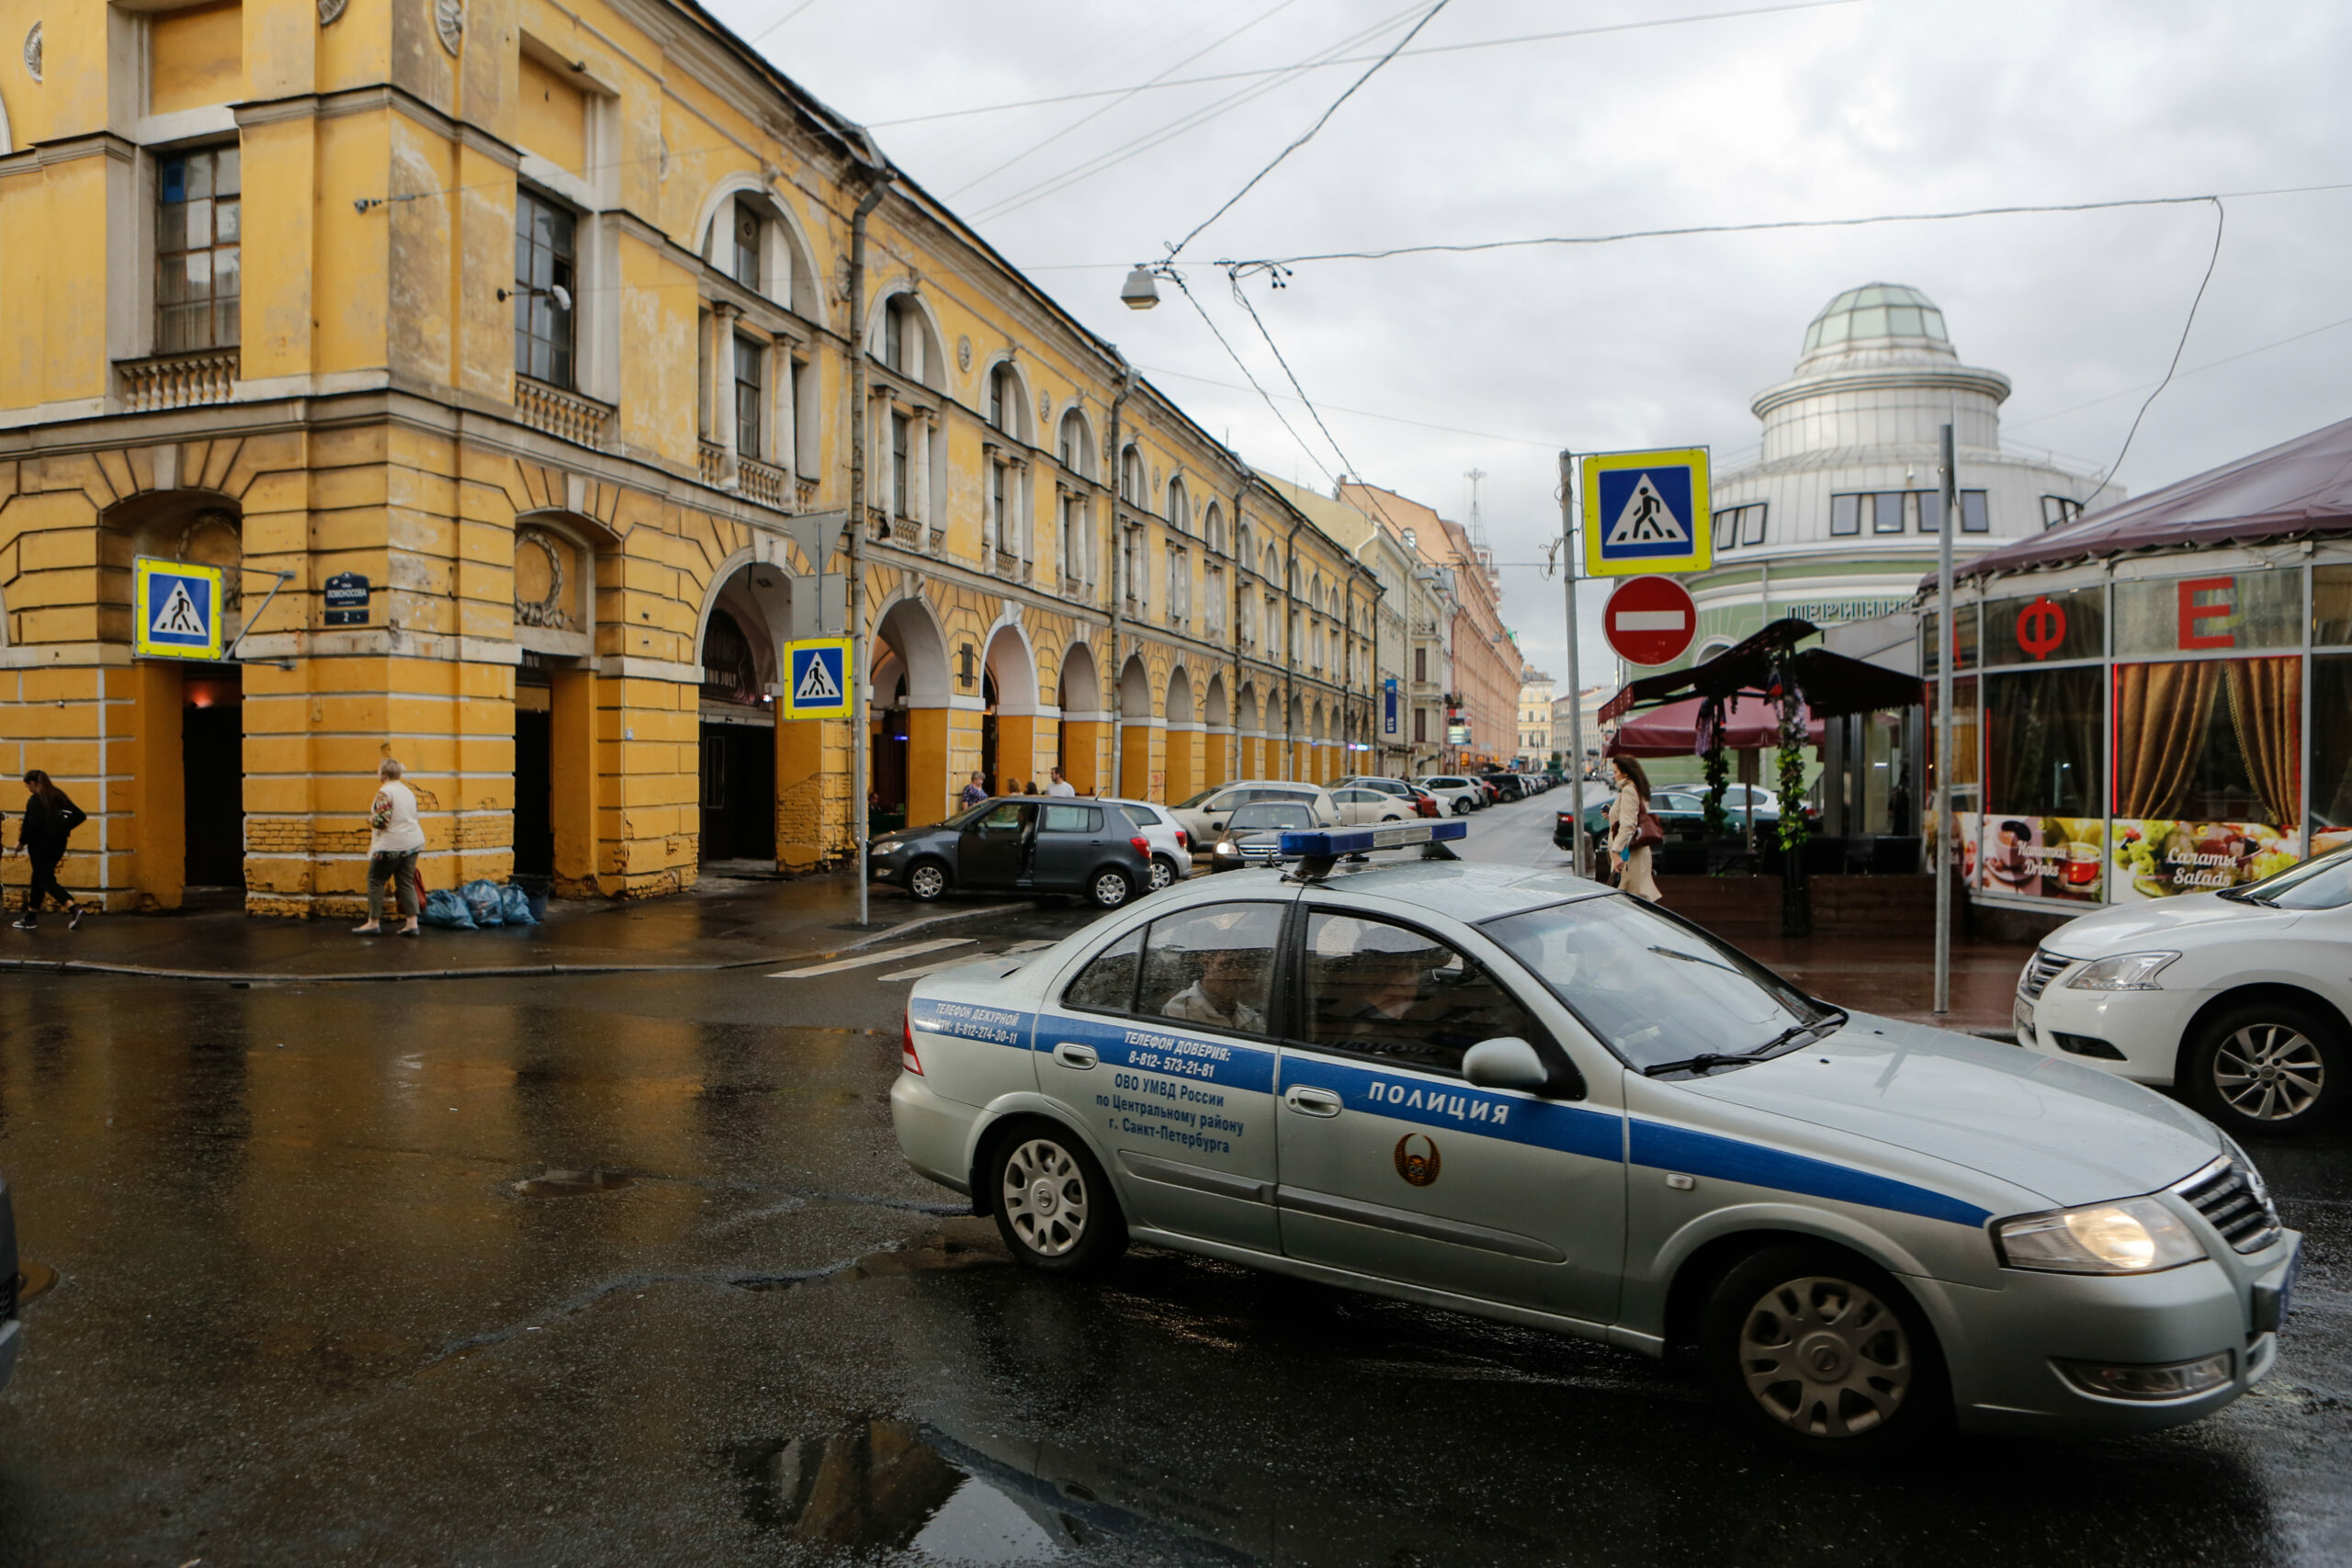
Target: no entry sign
point(1650, 620)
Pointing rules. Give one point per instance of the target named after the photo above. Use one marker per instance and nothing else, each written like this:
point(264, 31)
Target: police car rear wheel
point(1053, 1206)
point(1110, 889)
point(1824, 1353)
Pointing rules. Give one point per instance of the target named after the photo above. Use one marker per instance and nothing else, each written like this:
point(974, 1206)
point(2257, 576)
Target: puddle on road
point(887, 1486)
point(572, 1183)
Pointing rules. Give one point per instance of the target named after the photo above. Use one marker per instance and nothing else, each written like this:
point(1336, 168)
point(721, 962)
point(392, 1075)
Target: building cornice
point(1889, 378)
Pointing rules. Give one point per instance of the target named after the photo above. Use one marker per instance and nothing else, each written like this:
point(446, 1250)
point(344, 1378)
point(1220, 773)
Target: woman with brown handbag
point(1633, 831)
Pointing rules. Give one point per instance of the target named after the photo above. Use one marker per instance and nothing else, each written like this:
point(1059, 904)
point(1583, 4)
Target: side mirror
point(1505, 1062)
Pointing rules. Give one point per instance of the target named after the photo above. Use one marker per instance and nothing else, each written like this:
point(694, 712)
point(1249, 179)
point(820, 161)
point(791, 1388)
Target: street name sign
point(177, 609)
point(346, 597)
point(1650, 620)
point(816, 678)
point(1647, 511)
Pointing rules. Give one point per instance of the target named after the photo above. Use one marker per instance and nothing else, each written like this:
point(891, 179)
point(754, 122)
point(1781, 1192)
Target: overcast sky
point(1427, 368)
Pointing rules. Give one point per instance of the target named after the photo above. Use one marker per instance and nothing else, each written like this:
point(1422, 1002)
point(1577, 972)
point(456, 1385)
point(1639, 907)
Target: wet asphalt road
point(627, 1270)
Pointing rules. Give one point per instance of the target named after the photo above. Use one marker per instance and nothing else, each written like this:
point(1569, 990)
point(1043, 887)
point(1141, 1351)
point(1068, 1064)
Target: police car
point(1516, 1093)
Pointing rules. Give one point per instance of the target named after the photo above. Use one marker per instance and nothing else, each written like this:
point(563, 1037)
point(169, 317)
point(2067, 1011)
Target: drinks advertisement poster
point(2044, 857)
point(2157, 859)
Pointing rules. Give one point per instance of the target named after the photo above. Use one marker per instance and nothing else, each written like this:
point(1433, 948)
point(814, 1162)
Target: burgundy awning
point(1749, 724)
point(2300, 489)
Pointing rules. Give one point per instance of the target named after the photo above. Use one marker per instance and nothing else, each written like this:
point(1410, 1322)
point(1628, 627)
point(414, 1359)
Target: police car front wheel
point(1052, 1205)
point(1822, 1352)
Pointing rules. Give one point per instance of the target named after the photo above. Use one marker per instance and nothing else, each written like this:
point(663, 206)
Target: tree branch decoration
point(1718, 765)
point(1795, 830)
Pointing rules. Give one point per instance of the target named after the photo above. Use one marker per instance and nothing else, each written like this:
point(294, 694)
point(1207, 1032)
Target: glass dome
point(1876, 310)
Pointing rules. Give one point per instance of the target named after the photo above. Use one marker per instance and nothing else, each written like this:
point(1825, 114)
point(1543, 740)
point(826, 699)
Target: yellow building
point(529, 332)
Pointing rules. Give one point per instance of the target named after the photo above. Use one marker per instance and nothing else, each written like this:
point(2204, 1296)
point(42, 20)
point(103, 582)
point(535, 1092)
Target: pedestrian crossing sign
point(1645, 512)
point(816, 678)
point(177, 607)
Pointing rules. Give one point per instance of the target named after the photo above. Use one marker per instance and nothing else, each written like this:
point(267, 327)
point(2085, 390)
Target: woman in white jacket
point(394, 837)
point(1624, 817)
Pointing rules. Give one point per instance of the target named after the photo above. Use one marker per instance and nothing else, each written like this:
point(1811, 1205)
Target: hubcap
point(1825, 1357)
point(2271, 1072)
point(1110, 888)
point(1162, 875)
point(1045, 1197)
point(927, 882)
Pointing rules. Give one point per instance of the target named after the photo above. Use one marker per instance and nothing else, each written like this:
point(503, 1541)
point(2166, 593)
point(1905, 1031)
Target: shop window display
point(2043, 835)
point(2331, 749)
point(2207, 785)
point(2046, 627)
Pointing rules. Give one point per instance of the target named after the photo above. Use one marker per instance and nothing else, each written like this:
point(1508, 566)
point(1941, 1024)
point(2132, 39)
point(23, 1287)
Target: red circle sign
point(1650, 620)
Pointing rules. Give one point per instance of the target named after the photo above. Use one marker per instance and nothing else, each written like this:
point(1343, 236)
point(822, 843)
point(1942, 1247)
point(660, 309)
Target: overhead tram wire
point(1156, 85)
point(2007, 424)
point(2221, 220)
point(1210, 321)
point(1263, 17)
point(1303, 138)
point(1169, 130)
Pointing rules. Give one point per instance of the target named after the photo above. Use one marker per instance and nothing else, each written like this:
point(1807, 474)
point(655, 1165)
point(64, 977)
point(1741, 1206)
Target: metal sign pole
point(1946, 646)
point(1569, 565)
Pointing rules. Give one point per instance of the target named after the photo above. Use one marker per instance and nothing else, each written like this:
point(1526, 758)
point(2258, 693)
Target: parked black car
point(1024, 843)
point(11, 1283)
point(1255, 832)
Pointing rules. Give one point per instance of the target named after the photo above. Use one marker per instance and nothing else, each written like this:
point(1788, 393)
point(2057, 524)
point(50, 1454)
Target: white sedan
point(2238, 997)
point(1359, 804)
point(1172, 845)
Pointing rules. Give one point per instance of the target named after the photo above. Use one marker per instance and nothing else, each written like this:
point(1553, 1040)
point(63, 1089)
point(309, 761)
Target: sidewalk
point(722, 924)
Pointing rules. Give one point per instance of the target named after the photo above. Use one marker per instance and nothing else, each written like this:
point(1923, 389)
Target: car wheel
point(1110, 888)
point(926, 880)
point(1163, 872)
point(2268, 1068)
point(1822, 1353)
point(1053, 1206)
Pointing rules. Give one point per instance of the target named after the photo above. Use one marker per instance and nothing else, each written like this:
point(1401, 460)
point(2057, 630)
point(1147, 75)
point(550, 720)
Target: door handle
point(1070, 1054)
point(1311, 1101)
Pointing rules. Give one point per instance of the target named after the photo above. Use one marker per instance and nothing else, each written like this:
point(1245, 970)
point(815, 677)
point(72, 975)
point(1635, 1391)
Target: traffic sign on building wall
point(1650, 620)
point(1645, 512)
point(176, 609)
point(816, 678)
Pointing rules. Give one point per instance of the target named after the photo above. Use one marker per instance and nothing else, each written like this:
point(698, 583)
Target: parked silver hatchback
point(1517, 1094)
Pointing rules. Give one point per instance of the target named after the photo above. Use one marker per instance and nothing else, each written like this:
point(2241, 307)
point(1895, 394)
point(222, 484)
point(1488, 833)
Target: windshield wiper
point(1706, 1060)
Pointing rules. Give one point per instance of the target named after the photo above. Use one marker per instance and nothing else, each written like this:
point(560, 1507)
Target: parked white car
point(1456, 792)
point(2238, 997)
point(1205, 815)
point(1359, 804)
point(1172, 845)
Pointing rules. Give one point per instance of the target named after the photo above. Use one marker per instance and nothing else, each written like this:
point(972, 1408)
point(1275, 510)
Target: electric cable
point(2007, 426)
point(1308, 135)
point(1244, 366)
point(2221, 220)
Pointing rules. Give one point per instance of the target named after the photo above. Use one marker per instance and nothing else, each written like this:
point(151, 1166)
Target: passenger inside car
point(1379, 989)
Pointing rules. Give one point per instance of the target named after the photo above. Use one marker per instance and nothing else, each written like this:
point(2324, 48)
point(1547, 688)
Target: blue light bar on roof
point(1331, 842)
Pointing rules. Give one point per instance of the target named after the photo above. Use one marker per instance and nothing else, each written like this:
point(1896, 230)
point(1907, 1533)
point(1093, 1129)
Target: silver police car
point(1516, 1093)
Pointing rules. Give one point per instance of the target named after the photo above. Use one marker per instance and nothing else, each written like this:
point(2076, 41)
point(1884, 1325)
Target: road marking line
point(920, 970)
point(863, 959)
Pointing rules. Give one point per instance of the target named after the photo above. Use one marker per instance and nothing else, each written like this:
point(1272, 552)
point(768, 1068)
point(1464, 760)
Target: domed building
point(1837, 518)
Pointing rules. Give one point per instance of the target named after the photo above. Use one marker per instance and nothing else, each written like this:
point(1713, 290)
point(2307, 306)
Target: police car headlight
point(2125, 972)
point(2138, 1235)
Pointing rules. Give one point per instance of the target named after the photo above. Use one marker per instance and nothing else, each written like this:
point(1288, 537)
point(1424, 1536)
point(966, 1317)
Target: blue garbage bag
point(515, 906)
point(447, 911)
point(481, 900)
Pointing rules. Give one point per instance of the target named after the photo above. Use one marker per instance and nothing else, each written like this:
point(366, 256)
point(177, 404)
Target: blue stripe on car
point(1665, 1147)
point(1545, 1123)
point(1148, 1047)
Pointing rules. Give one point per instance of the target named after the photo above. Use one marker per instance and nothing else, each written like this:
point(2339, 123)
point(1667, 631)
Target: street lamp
point(1141, 291)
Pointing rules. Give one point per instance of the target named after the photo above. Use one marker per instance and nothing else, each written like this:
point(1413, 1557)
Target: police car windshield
point(1652, 990)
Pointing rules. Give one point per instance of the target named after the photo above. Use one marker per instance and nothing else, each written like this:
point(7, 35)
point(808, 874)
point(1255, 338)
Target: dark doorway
point(738, 792)
point(212, 775)
point(534, 775)
point(988, 736)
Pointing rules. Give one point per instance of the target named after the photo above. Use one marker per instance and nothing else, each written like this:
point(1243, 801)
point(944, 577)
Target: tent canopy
point(1672, 730)
point(1831, 684)
point(2296, 489)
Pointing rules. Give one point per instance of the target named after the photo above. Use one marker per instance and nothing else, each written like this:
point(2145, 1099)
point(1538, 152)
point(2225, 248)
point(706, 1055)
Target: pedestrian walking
point(49, 818)
point(394, 837)
point(975, 792)
point(1630, 828)
point(1060, 787)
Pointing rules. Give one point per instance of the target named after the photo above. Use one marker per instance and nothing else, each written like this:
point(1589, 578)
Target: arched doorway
point(1217, 762)
point(1080, 695)
point(1183, 737)
point(1249, 760)
point(907, 729)
point(1009, 729)
point(740, 659)
point(1135, 730)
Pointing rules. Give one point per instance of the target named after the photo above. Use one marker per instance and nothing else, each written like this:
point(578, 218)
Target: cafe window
point(1965, 755)
point(2331, 753)
point(2045, 627)
point(2223, 612)
point(2208, 740)
point(2044, 734)
point(2332, 607)
point(1965, 617)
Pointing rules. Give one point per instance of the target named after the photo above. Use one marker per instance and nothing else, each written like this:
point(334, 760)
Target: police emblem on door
point(1417, 1158)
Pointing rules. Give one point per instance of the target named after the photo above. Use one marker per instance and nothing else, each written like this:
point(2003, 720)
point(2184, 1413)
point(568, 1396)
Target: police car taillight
point(907, 1057)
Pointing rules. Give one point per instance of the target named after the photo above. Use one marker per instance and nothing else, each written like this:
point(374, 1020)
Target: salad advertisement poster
point(2157, 859)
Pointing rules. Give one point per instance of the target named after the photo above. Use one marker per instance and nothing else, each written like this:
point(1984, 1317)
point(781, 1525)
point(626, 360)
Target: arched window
point(1004, 399)
point(1132, 487)
point(1077, 445)
point(745, 264)
point(1179, 507)
point(908, 344)
point(1213, 527)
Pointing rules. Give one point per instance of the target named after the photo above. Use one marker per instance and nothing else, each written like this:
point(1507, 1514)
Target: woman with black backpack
point(51, 817)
